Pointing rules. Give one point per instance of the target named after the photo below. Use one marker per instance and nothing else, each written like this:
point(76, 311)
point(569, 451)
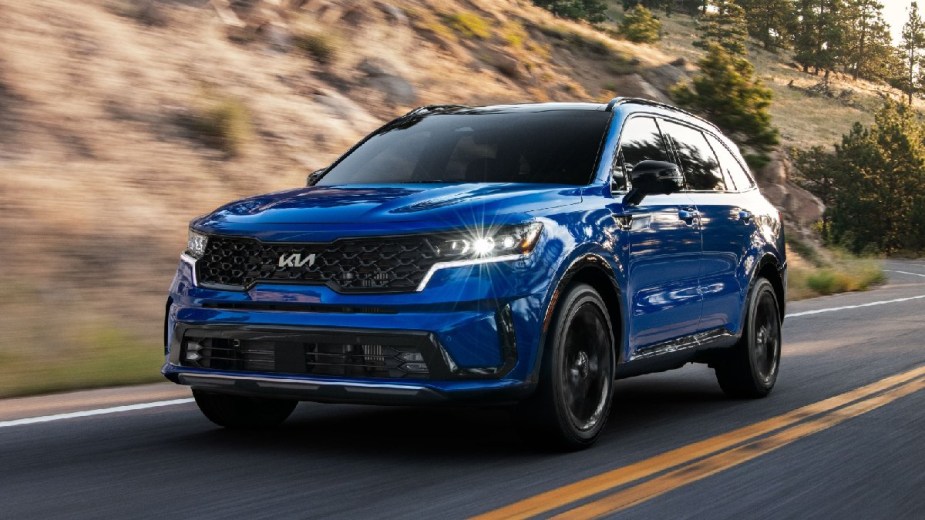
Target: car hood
point(380, 204)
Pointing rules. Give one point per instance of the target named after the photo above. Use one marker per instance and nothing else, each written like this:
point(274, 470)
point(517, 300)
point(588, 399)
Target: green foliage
point(469, 25)
point(593, 11)
point(727, 93)
point(818, 175)
point(640, 26)
point(868, 47)
point(910, 79)
point(873, 184)
point(770, 21)
point(820, 35)
point(318, 45)
point(725, 26)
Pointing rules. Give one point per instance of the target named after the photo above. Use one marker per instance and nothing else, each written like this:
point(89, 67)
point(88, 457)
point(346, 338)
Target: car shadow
point(640, 405)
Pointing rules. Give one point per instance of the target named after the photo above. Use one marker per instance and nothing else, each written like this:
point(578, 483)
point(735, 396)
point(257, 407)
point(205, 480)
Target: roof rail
point(617, 101)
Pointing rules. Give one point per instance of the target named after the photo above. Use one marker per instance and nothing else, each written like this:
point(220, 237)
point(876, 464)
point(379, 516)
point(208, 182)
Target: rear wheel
point(234, 411)
point(572, 402)
point(749, 370)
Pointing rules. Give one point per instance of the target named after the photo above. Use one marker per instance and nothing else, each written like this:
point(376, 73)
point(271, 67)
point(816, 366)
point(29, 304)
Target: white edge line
point(847, 307)
point(904, 272)
point(90, 413)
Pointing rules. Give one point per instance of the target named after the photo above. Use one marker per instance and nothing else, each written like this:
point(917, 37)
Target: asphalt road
point(332, 461)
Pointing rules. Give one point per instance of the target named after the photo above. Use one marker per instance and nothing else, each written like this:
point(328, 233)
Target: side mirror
point(653, 178)
point(314, 177)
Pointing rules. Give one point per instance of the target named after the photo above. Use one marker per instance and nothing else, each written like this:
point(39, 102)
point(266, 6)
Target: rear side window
point(730, 165)
point(640, 141)
point(697, 158)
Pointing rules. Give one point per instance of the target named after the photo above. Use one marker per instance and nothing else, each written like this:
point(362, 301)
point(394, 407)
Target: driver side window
point(640, 141)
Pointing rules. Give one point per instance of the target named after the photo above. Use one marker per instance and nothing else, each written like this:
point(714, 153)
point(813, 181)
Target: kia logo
point(296, 260)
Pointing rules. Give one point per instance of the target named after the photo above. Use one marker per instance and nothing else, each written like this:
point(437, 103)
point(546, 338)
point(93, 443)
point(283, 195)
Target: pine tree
point(881, 184)
point(640, 26)
point(770, 21)
point(727, 93)
point(725, 26)
point(821, 35)
point(868, 49)
point(912, 47)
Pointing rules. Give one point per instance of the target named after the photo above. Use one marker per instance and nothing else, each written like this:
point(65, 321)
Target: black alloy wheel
point(750, 368)
point(573, 398)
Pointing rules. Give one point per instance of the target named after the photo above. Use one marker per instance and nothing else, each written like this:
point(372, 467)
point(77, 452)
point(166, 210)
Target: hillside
point(122, 119)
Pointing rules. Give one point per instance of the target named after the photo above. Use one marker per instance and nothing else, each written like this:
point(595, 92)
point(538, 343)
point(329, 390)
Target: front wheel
point(749, 369)
point(572, 402)
point(234, 411)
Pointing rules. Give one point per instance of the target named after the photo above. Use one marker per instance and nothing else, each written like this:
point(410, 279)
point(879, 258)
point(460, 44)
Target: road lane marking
point(905, 272)
point(722, 461)
point(91, 413)
point(847, 307)
point(588, 487)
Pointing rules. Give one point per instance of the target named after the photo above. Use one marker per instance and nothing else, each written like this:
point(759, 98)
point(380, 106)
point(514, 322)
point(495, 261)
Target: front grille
point(316, 358)
point(392, 264)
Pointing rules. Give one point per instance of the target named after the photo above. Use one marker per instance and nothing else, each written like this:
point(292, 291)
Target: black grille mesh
point(294, 357)
point(392, 264)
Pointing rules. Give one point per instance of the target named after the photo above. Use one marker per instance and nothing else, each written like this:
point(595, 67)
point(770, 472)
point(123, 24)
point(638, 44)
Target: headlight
point(196, 244)
point(503, 241)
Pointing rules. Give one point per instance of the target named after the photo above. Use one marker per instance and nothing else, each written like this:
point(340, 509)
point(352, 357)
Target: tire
point(238, 412)
point(569, 409)
point(750, 368)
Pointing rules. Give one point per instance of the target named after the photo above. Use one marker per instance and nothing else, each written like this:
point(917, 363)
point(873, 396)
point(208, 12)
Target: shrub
point(319, 46)
point(469, 25)
point(640, 26)
point(222, 123)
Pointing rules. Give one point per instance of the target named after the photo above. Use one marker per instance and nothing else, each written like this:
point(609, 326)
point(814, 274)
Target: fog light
point(411, 356)
point(415, 367)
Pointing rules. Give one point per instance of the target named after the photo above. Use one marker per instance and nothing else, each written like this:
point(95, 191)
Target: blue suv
point(522, 255)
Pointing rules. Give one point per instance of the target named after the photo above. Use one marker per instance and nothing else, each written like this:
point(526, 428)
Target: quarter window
point(697, 158)
point(730, 165)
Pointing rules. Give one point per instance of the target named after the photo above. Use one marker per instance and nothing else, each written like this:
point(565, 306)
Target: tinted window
point(731, 166)
point(639, 141)
point(555, 146)
point(697, 159)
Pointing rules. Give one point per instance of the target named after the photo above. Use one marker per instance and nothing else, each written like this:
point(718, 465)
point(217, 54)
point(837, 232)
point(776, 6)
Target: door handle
point(689, 215)
point(745, 216)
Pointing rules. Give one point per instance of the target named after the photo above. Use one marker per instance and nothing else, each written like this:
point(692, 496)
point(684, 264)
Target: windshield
point(553, 146)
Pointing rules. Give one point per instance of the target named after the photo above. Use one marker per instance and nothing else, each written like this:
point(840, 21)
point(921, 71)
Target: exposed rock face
point(633, 85)
point(801, 207)
point(383, 77)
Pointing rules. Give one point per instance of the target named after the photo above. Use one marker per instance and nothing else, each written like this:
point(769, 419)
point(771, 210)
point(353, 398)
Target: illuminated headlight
point(196, 244)
point(503, 241)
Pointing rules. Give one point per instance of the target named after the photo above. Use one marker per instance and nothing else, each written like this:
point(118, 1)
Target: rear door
point(663, 238)
point(724, 230)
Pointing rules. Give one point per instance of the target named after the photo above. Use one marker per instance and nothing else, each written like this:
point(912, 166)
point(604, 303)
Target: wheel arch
point(770, 268)
point(595, 271)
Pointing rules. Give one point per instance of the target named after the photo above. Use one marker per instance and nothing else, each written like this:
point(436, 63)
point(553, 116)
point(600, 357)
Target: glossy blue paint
point(676, 275)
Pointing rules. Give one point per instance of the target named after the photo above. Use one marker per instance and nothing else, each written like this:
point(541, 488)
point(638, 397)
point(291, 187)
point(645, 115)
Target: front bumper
point(481, 350)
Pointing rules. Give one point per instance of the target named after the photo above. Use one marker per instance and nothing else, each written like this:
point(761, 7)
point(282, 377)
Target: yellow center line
point(588, 487)
point(722, 461)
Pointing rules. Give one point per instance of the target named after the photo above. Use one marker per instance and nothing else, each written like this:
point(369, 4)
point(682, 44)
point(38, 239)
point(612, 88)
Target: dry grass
point(813, 272)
